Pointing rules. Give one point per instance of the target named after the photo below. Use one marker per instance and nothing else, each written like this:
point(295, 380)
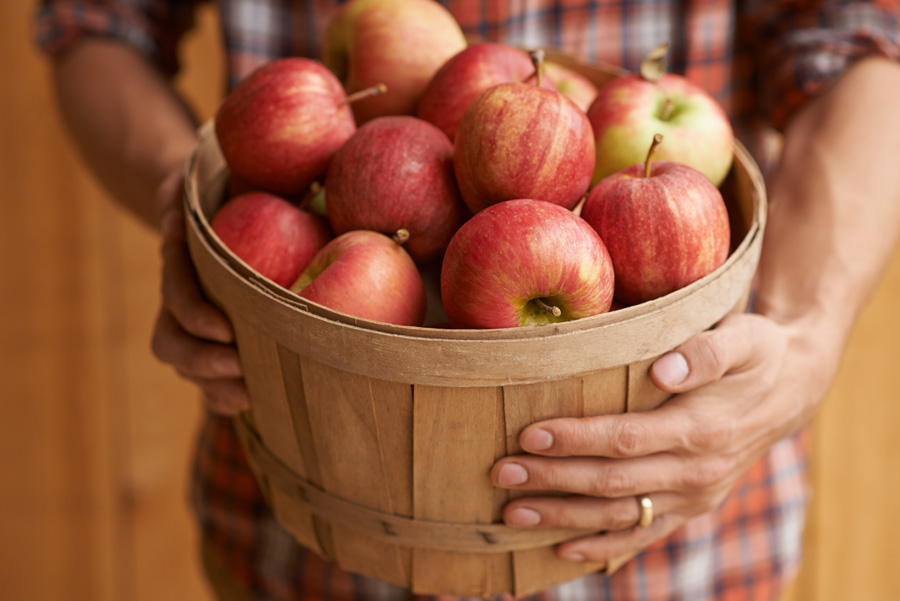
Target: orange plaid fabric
point(761, 59)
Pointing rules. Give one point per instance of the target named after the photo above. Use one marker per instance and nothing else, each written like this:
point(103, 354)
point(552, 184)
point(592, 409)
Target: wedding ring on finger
point(646, 507)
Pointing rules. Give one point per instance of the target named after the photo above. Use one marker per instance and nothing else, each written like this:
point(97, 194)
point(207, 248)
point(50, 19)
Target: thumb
point(736, 344)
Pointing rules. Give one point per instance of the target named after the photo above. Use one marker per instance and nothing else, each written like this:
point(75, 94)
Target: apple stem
point(537, 59)
point(668, 105)
point(373, 91)
point(657, 139)
point(314, 189)
point(401, 236)
point(551, 309)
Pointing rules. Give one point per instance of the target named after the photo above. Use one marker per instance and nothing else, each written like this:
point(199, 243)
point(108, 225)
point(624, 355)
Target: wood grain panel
point(852, 529)
point(164, 410)
point(524, 405)
point(454, 428)
point(96, 433)
point(343, 422)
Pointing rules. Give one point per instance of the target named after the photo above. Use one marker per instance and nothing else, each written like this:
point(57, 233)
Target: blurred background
point(96, 436)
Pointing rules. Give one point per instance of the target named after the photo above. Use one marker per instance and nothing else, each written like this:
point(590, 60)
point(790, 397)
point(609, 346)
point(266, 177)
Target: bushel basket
point(373, 443)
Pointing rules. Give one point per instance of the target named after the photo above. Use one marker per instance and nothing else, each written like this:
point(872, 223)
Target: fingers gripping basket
point(373, 443)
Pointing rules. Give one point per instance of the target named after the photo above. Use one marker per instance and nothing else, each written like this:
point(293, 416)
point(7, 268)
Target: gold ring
point(646, 506)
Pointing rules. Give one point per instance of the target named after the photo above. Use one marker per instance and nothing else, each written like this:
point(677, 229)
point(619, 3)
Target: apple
point(572, 84)
point(401, 43)
point(393, 174)
point(628, 111)
point(466, 75)
point(271, 235)
point(519, 140)
point(664, 223)
point(525, 262)
point(279, 127)
point(367, 275)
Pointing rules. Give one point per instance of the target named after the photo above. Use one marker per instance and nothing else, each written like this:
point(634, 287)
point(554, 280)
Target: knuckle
point(613, 483)
point(628, 438)
point(623, 514)
point(711, 354)
point(191, 321)
point(185, 373)
point(706, 475)
point(553, 476)
point(710, 433)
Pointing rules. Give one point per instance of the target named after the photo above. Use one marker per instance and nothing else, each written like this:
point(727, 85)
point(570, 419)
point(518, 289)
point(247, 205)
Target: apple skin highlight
point(521, 141)
point(516, 253)
point(270, 234)
point(279, 127)
point(464, 77)
point(393, 173)
point(627, 112)
point(367, 275)
point(662, 232)
point(369, 42)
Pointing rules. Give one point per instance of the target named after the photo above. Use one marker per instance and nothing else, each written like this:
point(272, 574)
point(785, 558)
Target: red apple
point(396, 173)
point(271, 235)
point(367, 275)
point(628, 111)
point(664, 223)
point(572, 84)
point(400, 43)
point(520, 140)
point(279, 127)
point(465, 76)
point(525, 262)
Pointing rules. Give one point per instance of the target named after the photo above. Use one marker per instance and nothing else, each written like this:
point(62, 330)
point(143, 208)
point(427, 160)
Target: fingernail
point(512, 474)
point(215, 330)
point(227, 366)
point(575, 556)
point(671, 369)
point(537, 440)
point(524, 517)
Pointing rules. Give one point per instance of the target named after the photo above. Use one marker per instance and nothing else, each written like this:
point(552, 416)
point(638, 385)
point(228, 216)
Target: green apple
point(629, 111)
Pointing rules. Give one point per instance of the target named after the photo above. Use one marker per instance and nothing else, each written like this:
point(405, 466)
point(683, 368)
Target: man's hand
point(191, 334)
point(834, 221)
point(739, 388)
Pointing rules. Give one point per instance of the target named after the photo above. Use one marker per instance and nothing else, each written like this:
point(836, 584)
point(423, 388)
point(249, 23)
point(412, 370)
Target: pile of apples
point(406, 151)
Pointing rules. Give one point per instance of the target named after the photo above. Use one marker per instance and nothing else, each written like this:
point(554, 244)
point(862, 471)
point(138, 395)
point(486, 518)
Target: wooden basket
point(373, 443)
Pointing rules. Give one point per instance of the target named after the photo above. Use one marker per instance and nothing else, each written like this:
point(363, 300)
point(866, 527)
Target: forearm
point(835, 216)
point(130, 127)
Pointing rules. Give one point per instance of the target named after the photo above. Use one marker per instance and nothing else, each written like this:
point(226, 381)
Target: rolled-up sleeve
point(804, 46)
point(152, 27)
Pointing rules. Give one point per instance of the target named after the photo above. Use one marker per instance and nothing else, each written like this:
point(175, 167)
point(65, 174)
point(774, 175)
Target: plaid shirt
point(761, 59)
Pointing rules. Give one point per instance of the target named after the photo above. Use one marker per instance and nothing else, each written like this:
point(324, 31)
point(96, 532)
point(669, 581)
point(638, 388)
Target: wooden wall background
point(95, 436)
